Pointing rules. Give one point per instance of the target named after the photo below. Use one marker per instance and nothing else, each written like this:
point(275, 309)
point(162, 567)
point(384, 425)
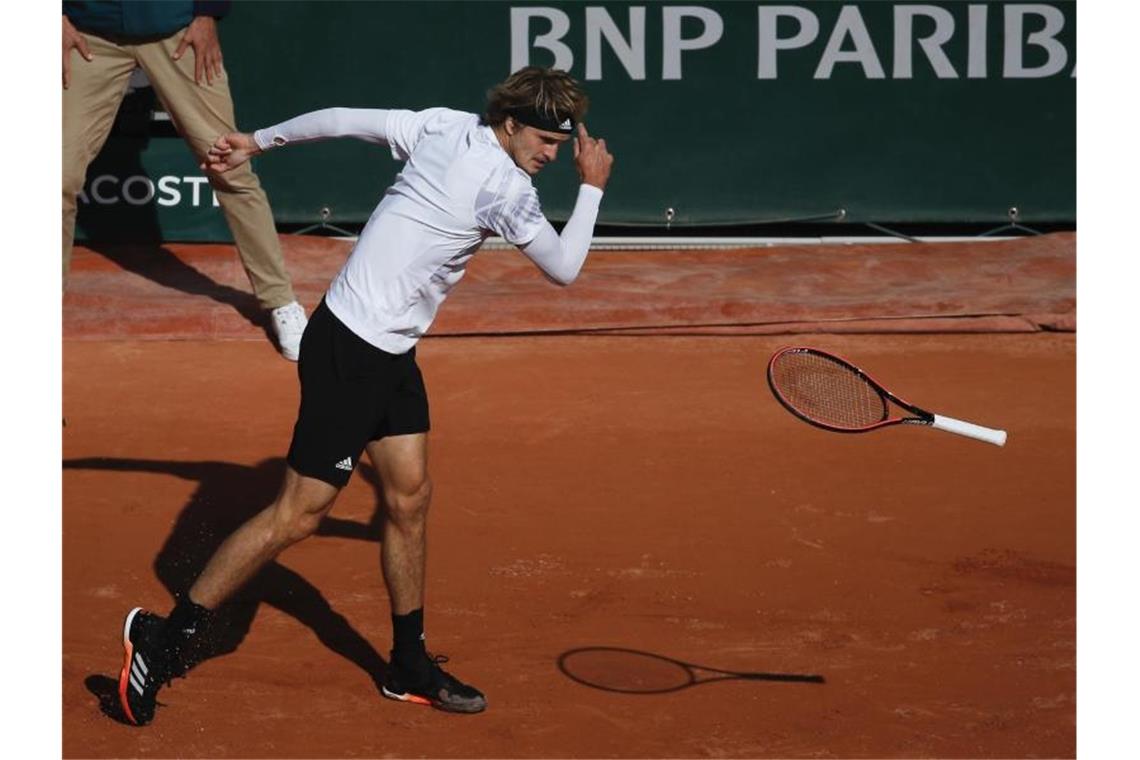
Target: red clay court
point(611, 471)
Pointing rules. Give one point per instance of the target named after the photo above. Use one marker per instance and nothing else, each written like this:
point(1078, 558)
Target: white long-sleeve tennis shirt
point(457, 188)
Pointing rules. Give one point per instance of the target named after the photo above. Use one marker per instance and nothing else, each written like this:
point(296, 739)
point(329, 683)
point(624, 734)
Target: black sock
point(186, 621)
point(408, 638)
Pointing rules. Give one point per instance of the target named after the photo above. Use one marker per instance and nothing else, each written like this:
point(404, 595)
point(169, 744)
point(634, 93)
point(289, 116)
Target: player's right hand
point(592, 159)
point(230, 151)
point(72, 39)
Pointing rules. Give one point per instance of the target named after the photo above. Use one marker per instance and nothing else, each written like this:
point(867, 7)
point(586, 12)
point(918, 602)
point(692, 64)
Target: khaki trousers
point(201, 113)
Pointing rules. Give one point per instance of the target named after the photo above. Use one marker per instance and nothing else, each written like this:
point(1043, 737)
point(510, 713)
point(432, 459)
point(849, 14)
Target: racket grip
point(969, 429)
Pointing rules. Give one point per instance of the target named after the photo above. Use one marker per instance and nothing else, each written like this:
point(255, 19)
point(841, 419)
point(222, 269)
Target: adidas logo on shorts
point(345, 464)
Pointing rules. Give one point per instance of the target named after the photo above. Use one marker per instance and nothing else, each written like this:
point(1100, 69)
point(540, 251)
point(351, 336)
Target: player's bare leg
point(402, 464)
point(156, 649)
point(413, 676)
point(293, 516)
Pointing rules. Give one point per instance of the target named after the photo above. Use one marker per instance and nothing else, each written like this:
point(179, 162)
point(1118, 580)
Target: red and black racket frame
point(922, 417)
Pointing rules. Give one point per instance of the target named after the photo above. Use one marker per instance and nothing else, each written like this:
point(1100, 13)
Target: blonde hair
point(551, 92)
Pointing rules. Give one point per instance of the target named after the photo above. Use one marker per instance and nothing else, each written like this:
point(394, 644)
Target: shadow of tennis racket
point(629, 671)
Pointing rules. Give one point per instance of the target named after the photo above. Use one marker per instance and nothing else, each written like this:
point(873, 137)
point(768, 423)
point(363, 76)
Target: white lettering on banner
point(1029, 28)
point(631, 53)
point(850, 24)
point(1014, 67)
point(140, 190)
point(768, 42)
point(138, 179)
point(96, 189)
point(674, 43)
point(931, 45)
point(552, 40)
point(169, 195)
point(976, 50)
point(196, 183)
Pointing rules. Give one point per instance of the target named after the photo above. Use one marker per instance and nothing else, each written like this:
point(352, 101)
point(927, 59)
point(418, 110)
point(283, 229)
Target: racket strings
point(826, 391)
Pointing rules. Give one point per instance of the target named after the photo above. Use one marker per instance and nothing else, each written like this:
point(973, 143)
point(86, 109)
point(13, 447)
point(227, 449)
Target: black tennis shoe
point(431, 685)
point(147, 665)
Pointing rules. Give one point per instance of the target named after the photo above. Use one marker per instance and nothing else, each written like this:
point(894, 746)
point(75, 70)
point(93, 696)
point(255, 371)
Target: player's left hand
point(202, 35)
point(593, 160)
point(230, 151)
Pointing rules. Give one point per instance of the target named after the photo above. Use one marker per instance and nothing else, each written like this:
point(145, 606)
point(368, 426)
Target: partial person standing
point(465, 177)
point(103, 42)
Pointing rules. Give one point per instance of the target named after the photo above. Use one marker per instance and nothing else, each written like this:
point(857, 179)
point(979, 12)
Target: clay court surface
point(614, 476)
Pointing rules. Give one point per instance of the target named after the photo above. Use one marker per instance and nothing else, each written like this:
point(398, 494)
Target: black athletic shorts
point(351, 393)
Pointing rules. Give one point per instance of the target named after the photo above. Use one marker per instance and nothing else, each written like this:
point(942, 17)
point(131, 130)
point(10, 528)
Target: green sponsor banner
point(141, 190)
point(718, 113)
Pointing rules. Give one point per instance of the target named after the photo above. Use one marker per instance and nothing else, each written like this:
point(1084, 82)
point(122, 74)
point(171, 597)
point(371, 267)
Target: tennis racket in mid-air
point(832, 393)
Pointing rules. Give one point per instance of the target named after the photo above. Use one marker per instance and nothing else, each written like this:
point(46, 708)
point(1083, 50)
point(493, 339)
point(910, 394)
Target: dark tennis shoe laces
point(147, 666)
point(432, 685)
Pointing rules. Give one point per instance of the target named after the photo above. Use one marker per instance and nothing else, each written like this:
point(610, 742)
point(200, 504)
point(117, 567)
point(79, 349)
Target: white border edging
point(710, 243)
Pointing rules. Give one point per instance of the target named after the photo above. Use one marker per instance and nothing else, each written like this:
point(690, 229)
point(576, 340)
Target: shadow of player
point(227, 495)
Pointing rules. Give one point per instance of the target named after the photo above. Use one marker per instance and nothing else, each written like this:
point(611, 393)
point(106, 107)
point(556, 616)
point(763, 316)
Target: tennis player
point(465, 177)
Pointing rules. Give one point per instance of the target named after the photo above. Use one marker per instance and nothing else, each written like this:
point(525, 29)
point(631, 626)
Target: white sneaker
point(288, 325)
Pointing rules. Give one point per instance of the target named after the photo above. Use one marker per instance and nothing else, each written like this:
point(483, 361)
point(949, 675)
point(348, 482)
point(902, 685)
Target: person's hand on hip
point(202, 35)
point(72, 39)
